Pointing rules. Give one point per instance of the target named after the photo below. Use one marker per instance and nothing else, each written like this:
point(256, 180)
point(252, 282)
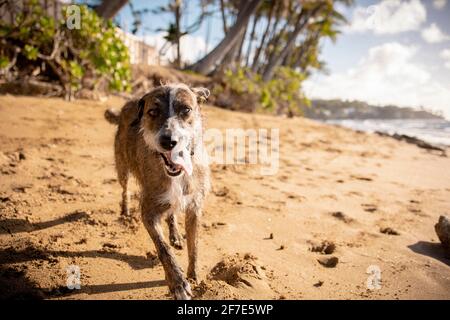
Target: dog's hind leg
point(193, 214)
point(123, 180)
point(176, 240)
point(123, 175)
point(178, 285)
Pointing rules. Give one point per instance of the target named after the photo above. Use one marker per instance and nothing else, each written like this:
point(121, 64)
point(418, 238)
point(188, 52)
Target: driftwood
point(413, 140)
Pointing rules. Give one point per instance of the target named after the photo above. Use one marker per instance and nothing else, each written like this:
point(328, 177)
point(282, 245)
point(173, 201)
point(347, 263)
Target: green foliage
point(30, 52)
point(240, 81)
point(95, 50)
point(281, 95)
point(4, 61)
point(99, 48)
point(283, 92)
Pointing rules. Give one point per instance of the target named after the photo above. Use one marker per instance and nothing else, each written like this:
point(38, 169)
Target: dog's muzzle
point(172, 169)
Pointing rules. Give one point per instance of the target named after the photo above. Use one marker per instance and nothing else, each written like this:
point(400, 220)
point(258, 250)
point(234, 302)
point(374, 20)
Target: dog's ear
point(202, 94)
point(141, 104)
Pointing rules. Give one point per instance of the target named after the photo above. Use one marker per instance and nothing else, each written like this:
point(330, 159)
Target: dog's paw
point(182, 291)
point(192, 276)
point(176, 241)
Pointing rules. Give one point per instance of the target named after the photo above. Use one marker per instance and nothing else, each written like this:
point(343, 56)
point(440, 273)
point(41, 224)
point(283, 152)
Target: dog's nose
point(167, 142)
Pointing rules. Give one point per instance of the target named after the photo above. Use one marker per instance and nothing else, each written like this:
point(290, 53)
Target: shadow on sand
point(430, 249)
point(12, 256)
point(16, 285)
point(105, 288)
point(11, 226)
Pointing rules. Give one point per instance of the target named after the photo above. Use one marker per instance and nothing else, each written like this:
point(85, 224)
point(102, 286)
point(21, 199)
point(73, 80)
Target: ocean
point(436, 132)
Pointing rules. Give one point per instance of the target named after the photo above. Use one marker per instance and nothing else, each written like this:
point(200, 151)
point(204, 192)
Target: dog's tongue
point(181, 156)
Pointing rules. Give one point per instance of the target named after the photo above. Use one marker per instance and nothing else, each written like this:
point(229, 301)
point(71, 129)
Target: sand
point(268, 237)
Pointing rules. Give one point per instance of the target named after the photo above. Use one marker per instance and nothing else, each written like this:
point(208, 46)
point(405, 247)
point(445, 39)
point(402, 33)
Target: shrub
point(241, 89)
point(92, 57)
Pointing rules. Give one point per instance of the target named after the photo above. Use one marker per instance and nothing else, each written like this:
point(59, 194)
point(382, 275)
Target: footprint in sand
point(369, 207)
point(361, 178)
point(341, 216)
point(389, 231)
point(324, 247)
point(221, 192)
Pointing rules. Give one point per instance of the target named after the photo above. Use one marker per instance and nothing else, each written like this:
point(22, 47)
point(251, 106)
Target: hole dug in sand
point(236, 277)
point(324, 247)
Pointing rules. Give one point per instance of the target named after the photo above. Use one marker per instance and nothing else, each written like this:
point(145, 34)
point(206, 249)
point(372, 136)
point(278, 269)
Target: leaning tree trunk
point(277, 38)
point(276, 60)
point(238, 57)
point(224, 19)
point(230, 58)
point(251, 39)
point(206, 63)
point(177, 32)
point(263, 41)
point(109, 8)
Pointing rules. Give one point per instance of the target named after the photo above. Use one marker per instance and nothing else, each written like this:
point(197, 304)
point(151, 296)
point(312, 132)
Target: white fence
point(140, 52)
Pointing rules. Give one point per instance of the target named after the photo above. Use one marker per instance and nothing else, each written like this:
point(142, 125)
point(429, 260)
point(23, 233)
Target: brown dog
point(159, 141)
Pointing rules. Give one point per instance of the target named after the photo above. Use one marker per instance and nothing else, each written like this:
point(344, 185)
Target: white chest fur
point(175, 196)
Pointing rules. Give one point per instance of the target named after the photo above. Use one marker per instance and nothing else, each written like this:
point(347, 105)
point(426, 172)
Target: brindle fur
point(137, 152)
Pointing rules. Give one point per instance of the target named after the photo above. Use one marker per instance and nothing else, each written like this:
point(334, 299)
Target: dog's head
point(170, 121)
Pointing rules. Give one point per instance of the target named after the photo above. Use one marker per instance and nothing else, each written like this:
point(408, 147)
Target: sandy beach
point(262, 237)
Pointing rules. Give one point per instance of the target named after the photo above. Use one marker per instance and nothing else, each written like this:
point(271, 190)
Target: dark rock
point(443, 232)
point(328, 261)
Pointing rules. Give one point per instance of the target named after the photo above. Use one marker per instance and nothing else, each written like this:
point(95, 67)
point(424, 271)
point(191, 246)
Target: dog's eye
point(153, 112)
point(185, 111)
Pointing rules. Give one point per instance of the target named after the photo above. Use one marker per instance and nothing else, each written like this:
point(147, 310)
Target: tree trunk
point(250, 40)
point(207, 63)
point(304, 50)
point(275, 61)
point(109, 8)
point(177, 10)
point(277, 38)
point(224, 17)
point(230, 58)
point(237, 60)
point(263, 41)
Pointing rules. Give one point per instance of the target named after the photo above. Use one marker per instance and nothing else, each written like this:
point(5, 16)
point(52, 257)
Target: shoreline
point(433, 136)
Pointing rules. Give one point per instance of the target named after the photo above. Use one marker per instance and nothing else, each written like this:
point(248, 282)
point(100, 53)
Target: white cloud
point(387, 75)
point(445, 54)
point(192, 47)
point(433, 34)
point(388, 17)
point(439, 4)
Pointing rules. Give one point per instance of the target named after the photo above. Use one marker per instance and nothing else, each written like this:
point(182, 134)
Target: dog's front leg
point(178, 285)
point(176, 240)
point(192, 223)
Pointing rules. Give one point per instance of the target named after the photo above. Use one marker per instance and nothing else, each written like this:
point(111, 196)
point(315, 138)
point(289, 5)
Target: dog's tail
point(112, 116)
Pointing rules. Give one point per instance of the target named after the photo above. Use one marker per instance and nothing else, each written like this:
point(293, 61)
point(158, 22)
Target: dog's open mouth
point(172, 169)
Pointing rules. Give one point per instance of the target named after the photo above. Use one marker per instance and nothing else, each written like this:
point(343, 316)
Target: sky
point(390, 52)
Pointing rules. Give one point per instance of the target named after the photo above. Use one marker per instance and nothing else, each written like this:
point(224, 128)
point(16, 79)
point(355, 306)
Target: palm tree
point(205, 65)
point(301, 22)
point(268, 7)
